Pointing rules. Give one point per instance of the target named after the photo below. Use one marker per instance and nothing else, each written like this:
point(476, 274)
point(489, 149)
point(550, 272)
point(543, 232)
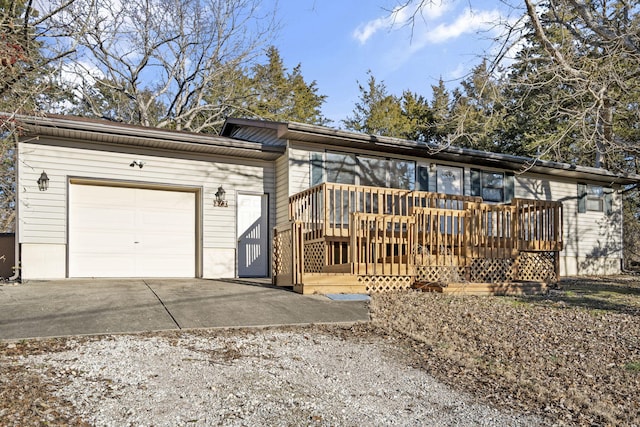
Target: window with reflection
point(340, 168)
point(343, 168)
point(373, 171)
point(497, 187)
point(595, 198)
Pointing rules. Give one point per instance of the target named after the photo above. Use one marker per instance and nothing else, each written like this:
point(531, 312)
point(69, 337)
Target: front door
point(450, 180)
point(253, 255)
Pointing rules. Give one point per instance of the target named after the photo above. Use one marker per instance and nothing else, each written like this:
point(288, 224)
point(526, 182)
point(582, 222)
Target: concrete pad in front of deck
point(103, 306)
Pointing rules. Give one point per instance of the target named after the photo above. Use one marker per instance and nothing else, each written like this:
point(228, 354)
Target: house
point(130, 201)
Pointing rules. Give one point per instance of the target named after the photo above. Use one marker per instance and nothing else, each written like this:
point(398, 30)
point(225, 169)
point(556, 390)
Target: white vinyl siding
point(592, 240)
point(43, 214)
point(282, 190)
point(299, 170)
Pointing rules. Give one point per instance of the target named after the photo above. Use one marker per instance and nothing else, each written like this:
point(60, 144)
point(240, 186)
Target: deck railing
point(381, 244)
point(539, 225)
point(374, 231)
point(324, 209)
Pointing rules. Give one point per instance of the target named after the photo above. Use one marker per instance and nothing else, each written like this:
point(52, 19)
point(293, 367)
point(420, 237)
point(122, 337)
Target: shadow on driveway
point(103, 306)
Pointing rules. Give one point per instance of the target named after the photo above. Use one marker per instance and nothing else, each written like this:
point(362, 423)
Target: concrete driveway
point(102, 306)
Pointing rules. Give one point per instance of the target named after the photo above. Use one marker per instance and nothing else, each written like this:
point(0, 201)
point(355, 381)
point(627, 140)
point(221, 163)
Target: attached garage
point(119, 231)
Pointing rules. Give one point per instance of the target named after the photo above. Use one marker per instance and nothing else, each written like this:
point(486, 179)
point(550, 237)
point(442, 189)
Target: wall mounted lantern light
point(43, 181)
point(220, 201)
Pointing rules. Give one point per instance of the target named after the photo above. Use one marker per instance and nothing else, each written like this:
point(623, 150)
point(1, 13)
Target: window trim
point(604, 200)
point(478, 184)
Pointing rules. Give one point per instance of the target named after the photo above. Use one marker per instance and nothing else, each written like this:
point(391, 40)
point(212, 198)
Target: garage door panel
point(161, 243)
point(89, 217)
point(166, 220)
point(131, 232)
point(101, 241)
point(169, 265)
point(85, 265)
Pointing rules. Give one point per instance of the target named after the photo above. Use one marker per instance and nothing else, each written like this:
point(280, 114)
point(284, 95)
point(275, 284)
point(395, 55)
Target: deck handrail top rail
point(398, 191)
point(380, 215)
point(421, 209)
point(535, 201)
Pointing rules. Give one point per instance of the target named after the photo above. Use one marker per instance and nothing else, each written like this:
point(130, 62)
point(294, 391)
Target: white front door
point(131, 232)
point(253, 255)
point(449, 180)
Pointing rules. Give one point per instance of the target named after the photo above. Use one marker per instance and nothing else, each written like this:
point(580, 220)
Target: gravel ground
point(290, 377)
point(569, 358)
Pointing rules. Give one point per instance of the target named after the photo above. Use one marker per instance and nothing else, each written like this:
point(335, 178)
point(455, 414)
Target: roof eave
point(147, 137)
point(313, 133)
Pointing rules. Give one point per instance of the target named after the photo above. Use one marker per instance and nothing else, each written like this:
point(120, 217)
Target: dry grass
point(572, 356)
point(26, 398)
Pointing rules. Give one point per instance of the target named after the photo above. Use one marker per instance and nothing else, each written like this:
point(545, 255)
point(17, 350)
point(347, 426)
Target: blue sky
point(338, 41)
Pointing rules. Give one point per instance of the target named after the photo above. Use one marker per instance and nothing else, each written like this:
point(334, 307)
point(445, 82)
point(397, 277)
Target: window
point(402, 174)
point(343, 168)
point(492, 186)
point(594, 198)
point(373, 171)
point(340, 168)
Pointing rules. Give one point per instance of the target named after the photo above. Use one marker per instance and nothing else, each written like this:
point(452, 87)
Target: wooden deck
point(485, 289)
point(346, 238)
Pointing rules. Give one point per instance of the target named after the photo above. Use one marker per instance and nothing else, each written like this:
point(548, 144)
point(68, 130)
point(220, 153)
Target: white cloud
point(365, 31)
point(469, 22)
point(401, 16)
point(457, 73)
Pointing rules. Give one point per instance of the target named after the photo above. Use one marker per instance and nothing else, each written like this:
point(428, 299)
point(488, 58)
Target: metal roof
point(107, 132)
point(381, 144)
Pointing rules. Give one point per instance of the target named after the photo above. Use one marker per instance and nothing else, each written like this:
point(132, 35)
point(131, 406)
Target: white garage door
point(131, 232)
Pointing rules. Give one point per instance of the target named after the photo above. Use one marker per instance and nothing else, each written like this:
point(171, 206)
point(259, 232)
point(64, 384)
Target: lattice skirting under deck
point(529, 266)
point(385, 283)
point(282, 253)
point(536, 266)
point(314, 257)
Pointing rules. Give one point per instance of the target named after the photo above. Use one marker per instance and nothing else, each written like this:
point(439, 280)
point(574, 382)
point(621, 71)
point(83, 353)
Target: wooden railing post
point(297, 252)
point(354, 243)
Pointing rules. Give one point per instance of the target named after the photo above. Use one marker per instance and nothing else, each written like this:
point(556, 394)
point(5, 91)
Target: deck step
point(330, 283)
point(508, 288)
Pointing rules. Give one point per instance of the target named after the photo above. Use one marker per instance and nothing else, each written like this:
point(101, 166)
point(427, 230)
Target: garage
point(131, 232)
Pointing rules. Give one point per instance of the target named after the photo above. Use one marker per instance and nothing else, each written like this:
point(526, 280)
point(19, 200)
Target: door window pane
point(449, 180)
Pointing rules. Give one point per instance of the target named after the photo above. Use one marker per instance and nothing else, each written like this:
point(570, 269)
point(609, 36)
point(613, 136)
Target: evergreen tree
point(441, 124)
point(378, 112)
point(479, 113)
point(418, 116)
point(277, 94)
point(575, 86)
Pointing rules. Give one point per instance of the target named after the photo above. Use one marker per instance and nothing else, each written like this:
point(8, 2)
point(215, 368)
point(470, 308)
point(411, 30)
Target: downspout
point(16, 256)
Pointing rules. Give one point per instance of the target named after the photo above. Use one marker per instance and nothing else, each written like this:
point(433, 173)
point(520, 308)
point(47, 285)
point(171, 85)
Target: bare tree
point(33, 40)
point(592, 51)
point(160, 62)
point(579, 67)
